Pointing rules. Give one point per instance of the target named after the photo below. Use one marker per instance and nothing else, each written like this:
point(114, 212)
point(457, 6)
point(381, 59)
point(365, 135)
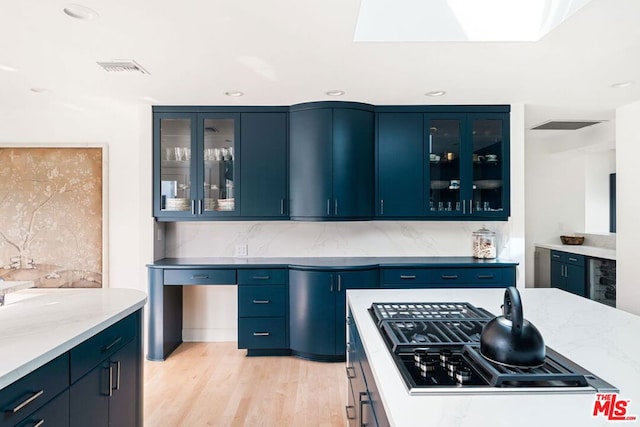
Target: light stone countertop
point(601, 339)
point(38, 325)
point(592, 251)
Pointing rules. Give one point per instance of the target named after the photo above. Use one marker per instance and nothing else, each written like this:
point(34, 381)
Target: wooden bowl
point(572, 240)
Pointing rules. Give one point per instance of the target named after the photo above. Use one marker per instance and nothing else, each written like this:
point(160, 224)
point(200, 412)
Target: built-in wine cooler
point(602, 281)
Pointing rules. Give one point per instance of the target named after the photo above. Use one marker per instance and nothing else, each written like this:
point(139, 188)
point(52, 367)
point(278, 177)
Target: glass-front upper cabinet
point(489, 157)
point(445, 150)
point(194, 173)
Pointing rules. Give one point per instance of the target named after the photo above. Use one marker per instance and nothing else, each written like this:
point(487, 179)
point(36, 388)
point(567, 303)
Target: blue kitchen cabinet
point(568, 272)
point(263, 155)
point(449, 277)
point(442, 163)
point(317, 310)
point(262, 311)
point(331, 163)
point(216, 163)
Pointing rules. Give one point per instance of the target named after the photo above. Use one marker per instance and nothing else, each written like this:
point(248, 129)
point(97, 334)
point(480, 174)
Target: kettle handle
point(512, 309)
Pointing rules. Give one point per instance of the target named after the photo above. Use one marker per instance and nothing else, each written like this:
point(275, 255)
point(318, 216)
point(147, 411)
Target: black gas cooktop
point(436, 347)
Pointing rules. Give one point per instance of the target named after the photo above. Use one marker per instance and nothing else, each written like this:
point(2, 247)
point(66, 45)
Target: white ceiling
point(282, 52)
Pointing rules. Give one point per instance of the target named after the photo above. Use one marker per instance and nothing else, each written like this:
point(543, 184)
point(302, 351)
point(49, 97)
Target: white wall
point(126, 133)
point(628, 207)
point(567, 185)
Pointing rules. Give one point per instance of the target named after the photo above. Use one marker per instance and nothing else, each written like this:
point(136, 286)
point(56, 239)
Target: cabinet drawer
point(261, 301)
point(262, 332)
point(54, 413)
point(567, 258)
point(406, 276)
point(262, 277)
point(200, 277)
point(467, 276)
point(360, 278)
point(30, 393)
point(90, 353)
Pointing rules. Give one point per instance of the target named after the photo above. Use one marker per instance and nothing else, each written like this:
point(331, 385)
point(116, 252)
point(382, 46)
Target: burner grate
point(428, 311)
point(409, 333)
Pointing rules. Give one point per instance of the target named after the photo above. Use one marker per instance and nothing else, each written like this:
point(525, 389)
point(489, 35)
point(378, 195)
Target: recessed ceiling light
point(234, 93)
point(77, 11)
point(620, 85)
point(435, 93)
point(7, 68)
point(335, 92)
point(40, 90)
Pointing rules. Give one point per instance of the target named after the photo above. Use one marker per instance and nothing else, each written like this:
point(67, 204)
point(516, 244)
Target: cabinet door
point(173, 164)
point(446, 157)
point(365, 279)
point(490, 162)
point(310, 163)
point(400, 165)
point(557, 275)
point(218, 172)
point(353, 163)
point(575, 279)
point(89, 398)
point(312, 312)
point(125, 402)
point(264, 165)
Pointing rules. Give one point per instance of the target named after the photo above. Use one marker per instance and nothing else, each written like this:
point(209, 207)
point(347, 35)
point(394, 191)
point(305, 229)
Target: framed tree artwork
point(51, 216)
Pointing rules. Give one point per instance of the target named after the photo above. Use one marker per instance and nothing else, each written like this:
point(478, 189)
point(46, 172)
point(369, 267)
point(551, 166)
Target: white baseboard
point(209, 335)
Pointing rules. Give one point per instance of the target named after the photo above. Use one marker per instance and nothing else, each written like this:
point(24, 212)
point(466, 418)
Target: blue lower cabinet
point(449, 277)
point(54, 413)
point(317, 310)
point(568, 272)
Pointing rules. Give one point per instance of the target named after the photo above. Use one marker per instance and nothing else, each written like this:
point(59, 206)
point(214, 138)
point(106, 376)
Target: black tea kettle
point(511, 340)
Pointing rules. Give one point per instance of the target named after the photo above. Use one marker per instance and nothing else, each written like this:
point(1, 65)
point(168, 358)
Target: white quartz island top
point(37, 325)
point(601, 339)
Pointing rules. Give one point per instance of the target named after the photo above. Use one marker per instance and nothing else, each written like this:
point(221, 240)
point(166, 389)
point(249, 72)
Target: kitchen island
point(63, 349)
point(601, 339)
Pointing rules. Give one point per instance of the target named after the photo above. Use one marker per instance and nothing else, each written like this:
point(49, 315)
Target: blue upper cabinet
point(331, 161)
point(452, 164)
point(202, 154)
point(263, 154)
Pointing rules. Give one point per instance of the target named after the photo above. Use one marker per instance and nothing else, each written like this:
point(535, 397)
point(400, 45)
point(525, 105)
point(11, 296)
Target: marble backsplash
point(330, 239)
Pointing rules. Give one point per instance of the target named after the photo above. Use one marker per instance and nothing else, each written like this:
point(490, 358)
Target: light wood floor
point(215, 384)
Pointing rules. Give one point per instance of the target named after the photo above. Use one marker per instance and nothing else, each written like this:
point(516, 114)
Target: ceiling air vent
point(122, 65)
point(565, 124)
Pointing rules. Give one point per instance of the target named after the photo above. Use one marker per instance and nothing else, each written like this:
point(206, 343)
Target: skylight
point(461, 20)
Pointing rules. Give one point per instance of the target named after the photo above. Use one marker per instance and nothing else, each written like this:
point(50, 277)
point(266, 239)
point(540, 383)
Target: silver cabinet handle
point(351, 372)
point(193, 206)
point(261, 277)
point(25, 402)
point(470, 206)
point(328, 206)
point(339, 282)
point(199, 276)
point(464, 207)
point(281, 206)
point(110, 373)
point(256, 301)
point(261, 334)
point(39, 423)
point(381, 206)
point(331, 283)
point(573, 259)
point(485, 276)
point(449, 276)
point(352, 415)
point(335, 206)
point(403, 276)
point(110, 346)
point(200, 206)
point(117, 365)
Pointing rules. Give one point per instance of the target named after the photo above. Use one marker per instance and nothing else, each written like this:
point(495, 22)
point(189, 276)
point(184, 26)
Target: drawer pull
point(261, 277)
point(39, 423)
point(110, 346)
point(351, 415)
point(261, 334)
point(25, 402)
point(555, 256)
point(573, 259)
point(449, 276)
point(485, 276)
point(200, 276)
point(351, 372)
point(257, 301)
point(117, 365)
point(407, 276)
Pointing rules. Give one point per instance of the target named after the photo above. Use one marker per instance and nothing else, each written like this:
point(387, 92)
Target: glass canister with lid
point(484, 243)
